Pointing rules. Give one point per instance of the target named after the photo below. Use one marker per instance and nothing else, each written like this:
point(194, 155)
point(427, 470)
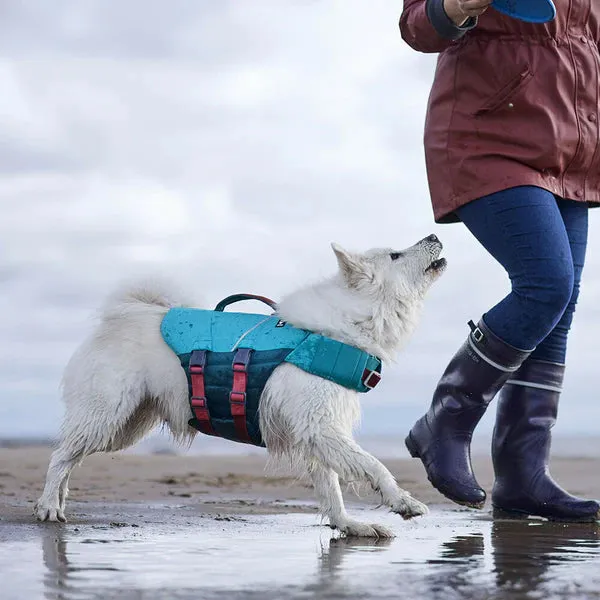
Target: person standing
point(512, 149)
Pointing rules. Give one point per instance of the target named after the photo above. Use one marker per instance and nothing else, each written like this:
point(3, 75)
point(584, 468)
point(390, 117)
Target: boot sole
point(414, 452)
point(516, 515)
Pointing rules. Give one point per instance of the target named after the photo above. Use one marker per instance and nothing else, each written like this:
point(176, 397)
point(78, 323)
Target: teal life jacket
point(228, 358)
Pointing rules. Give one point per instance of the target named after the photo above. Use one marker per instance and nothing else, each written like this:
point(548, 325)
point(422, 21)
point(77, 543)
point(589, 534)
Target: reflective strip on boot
point(537, 386)
point(489, 360)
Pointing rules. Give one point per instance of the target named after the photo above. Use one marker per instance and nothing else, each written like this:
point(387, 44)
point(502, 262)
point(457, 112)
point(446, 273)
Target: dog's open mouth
point(436, 265)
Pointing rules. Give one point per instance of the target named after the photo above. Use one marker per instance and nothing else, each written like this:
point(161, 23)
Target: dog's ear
point(352, 267)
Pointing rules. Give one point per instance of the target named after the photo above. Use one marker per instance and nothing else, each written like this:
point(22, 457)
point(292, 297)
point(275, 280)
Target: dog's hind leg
point(50, 506)
point(141, 421)
point(327, 488)
point(84, 436)
point(342, 454)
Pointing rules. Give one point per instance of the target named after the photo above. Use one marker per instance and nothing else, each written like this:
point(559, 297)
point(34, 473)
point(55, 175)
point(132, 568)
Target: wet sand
point(207, 527)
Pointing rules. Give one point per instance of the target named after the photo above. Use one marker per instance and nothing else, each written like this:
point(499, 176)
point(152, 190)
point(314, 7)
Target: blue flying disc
point(530, 11)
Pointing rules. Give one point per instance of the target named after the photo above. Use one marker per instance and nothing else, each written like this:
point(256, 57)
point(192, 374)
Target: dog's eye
point(395, 255)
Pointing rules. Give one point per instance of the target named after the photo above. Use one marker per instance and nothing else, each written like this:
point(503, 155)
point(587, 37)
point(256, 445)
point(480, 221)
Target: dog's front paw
point(44, 512)
point(353, 528)
point(407, 507)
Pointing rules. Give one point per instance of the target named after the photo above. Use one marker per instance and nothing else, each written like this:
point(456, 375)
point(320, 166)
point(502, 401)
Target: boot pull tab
point(475, 331)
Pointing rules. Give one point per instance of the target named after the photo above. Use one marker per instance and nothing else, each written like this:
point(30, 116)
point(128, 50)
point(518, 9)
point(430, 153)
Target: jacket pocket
point(505, 93)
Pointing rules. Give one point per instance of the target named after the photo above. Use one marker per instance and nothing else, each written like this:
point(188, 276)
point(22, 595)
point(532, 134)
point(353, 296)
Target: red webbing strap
point(198, 400)
point(237, 397)
point(370, 378)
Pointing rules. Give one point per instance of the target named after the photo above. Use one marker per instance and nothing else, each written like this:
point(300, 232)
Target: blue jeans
point(540, 240)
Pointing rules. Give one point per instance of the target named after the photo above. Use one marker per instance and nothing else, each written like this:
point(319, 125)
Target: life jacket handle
point(239, 297)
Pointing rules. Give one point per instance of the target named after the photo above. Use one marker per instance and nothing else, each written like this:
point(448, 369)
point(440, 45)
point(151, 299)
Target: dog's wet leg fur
point(63, 492)
point(329, 493)
point(132, 424)
point(51, 504)
point(352, 463)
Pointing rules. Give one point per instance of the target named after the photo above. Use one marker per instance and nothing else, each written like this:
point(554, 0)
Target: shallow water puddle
point(449, 554)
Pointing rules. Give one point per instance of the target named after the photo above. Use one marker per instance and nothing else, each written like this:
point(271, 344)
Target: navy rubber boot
point(527, 410)
point(442, 437)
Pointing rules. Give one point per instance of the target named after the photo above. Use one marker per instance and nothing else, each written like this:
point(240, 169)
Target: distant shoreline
point(385, 446)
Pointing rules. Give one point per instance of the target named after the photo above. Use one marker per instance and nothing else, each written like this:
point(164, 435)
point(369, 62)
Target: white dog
point(124, 380)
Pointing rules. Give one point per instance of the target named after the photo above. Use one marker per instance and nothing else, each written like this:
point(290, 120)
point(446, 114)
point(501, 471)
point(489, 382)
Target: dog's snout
point(432, 238)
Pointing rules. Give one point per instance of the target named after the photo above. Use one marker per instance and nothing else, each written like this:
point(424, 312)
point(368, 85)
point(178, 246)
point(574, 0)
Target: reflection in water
point(458, 566)
point(332, 579)
point(465, 547)
point(526, 551)
point(56, 577)
point(459, 558)
point(60, 582)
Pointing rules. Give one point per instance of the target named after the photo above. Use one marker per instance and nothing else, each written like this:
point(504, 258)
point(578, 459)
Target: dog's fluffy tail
point(156, 293)
point(124, 379)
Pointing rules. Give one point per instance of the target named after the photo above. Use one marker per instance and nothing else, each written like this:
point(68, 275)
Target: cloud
point(227, 144)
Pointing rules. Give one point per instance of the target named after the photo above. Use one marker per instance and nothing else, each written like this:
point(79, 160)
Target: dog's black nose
point(432, 238)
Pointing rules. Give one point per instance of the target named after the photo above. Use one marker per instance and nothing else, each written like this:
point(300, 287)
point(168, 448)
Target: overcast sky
point(226, 143)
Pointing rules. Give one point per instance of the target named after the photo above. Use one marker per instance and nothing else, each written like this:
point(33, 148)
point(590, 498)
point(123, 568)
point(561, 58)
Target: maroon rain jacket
point(512, 103)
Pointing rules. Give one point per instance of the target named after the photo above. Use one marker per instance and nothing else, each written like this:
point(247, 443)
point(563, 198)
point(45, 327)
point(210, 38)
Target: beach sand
point(166, 526)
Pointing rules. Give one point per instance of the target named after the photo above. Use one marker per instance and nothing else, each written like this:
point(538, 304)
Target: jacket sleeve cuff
point(443, 24)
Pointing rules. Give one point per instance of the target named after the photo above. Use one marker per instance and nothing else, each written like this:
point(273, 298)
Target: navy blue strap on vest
point(239, 297)
point(237, 397)
point(198, 400)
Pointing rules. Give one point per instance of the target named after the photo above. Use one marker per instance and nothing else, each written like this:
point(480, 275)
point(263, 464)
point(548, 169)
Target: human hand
point(461, 10)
